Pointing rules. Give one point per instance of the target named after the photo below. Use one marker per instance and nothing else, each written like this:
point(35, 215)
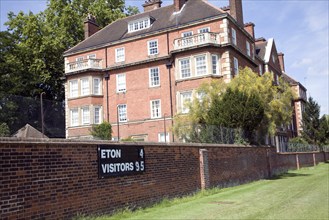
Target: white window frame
point(120, 55)
point(162, 138)
point(121, 82)
point(153, 49)
point(85, 115)
point(91, 56)
point(97, 86)
point(204, 30)
point(98, 119)
point(236, 66)
point(215, 66)
point(185, 69)
point(155, 108)
point(79, 61)
point(85, 86)
point(234, 40)
point(74, 88)
point(139, 24)
point(187, 34)
point(248, 48)
point(183, 101)
point(201, 70)
point(122, 111)
point(74, 114)
point(154, 80)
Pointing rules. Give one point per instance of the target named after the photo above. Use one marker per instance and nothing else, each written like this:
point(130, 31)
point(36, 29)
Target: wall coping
point(40, 141)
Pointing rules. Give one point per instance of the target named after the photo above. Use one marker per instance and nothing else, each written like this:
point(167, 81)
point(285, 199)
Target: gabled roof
point(261, 48)
point(164, 18)
point(29, 132)
point(291, 81)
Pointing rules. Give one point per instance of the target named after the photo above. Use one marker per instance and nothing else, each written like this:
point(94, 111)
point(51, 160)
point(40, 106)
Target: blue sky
point(299, 28)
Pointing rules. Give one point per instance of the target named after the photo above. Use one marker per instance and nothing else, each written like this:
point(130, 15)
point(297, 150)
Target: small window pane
point(214, 62)
point(154, 77)
point(121, 83)
point(155, 109)
point(201, 67)
point(153, 47)
point(73, 88)
point(85, 86)
point(186, 98)
point(74, 117)
point(185, 68)
point(122, 109)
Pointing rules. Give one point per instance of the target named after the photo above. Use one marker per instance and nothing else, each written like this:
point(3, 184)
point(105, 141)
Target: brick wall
point(59, 179)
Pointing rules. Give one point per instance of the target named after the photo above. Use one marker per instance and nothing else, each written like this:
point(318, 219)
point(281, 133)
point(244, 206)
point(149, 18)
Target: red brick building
point(138, 72)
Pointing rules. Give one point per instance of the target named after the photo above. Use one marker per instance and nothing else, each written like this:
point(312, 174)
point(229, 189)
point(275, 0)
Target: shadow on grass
point(288, 175)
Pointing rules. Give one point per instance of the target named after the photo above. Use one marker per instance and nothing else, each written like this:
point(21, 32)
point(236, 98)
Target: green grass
point(302, 194)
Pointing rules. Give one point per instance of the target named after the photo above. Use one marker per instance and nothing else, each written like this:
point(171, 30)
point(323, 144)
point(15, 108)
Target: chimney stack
point(90, 26)
point(179, 4)
point(151, 5)
point(250, 28)
point(236, 11)
point(281, 61)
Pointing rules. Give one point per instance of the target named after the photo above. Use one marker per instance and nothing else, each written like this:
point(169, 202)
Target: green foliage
point(31, 58)
point(4, 130)
point(297, 140)
point(249, 104)
point(128, 139)
point(102, 131)
point(324, 130)
point(311, 122)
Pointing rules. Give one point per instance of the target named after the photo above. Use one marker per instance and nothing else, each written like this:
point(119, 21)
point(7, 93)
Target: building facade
point(138, 72)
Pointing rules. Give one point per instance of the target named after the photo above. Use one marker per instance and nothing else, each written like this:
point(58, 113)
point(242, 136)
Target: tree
point(31, 58)
point(4, 130)
point(311, 122)
point(102, 131)
point(247, 103)
point(324, 130)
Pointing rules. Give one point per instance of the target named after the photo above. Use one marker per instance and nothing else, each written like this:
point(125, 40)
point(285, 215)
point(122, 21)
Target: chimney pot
point(90, 26)
point(151, 5)
point(179, 4)
point(281, 61)
point(250, 28)
point(236, 11)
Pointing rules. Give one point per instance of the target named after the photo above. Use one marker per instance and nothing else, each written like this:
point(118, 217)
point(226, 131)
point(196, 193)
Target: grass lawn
point(302, 194)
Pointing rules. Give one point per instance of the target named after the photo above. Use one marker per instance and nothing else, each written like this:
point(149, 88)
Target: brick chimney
point(281, 61)
point(236, 11)
point(90, 26)
point(179, 4)
point(151, 5)
point(250, 28)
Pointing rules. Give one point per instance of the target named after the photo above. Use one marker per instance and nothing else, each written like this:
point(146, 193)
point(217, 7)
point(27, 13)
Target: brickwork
point(59, 179)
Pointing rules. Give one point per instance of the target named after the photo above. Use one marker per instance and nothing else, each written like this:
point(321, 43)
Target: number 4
point(141, 153)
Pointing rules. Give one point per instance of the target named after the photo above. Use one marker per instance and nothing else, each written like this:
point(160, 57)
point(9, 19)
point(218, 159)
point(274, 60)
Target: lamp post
point(42, 119)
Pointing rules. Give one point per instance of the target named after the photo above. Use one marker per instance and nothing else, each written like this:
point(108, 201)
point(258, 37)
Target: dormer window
point(139, 24)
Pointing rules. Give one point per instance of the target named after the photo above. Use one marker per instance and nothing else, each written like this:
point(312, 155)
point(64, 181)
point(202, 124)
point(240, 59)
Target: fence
point(58, 179)
point(17, 111)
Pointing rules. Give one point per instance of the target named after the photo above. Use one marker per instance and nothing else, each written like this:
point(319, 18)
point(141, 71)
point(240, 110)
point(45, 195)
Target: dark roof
point(261, 49)
point(290, 80)
point(164, 18)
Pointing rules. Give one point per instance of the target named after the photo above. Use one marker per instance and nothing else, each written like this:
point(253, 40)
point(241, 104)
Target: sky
point(299, 28)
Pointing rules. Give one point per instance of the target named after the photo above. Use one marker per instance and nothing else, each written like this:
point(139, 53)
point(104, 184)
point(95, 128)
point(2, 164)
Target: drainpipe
point(107, 77)
point(169, 66)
